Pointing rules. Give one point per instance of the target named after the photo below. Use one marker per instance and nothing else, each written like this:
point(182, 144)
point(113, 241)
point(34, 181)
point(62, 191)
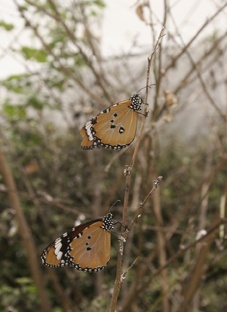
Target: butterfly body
point(113, 128)
point(85, 247)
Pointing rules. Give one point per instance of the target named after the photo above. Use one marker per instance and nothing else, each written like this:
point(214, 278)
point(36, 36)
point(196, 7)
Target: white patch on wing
point(88, 130)
point(59, 254)
point(57, 246)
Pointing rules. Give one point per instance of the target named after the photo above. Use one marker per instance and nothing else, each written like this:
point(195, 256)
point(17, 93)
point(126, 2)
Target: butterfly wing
point(118, 126)
point(92, 250)
point(115, 127)
point(86, 247)
point(86, 142)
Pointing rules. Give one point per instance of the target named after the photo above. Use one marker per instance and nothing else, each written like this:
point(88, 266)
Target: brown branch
point(215, 226)
point(63, 297)
point(198, 63)
point(58, 19)
point(99, 78)
point(128, 171)
point(208, 21)
point(200, 78)
point(64, 69)
point(25, 233)
point(200, 267)
point(139, 210)
point(161, 243)
point(144, 267)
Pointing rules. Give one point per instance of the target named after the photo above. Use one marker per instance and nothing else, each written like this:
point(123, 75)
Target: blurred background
point(60, 64)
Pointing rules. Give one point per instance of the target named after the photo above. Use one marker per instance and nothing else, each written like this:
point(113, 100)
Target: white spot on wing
point(57, 246)
point(59, 255)
point(88, 130)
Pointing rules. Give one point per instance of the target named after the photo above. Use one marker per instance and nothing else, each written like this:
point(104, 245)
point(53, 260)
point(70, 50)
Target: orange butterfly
point(86, 247)
point(113, 128)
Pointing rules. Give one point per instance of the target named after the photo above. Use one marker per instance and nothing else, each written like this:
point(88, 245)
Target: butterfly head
point(136, 102)
point(108, 222)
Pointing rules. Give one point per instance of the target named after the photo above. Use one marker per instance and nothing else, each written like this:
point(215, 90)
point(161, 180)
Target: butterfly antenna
point(118, 200)
point(153, 84)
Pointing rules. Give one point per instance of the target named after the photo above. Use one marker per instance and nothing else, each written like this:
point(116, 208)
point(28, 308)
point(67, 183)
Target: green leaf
point(36, 54)
point(6, 26)
point(12, 87)
point(16, 77)
point(16, 83)
point(14, 111)
point(35, 103)
point(99, 3)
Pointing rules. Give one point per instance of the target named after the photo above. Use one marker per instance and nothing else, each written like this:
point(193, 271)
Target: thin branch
point(128, 170)
point(207, 23)
point(214, 228)
point(63, 69)
point(201, 80)
point(25, 232)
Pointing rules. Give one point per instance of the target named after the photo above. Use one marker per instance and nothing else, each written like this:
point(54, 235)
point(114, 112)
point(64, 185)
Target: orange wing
point(92, 249)
point(86, 247)
point(113, 128)
point(118, 126)
point(86, 143)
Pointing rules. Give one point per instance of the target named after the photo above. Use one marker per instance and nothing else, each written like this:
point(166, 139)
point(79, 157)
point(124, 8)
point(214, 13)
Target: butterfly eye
point(115, 127)
point(86, 247)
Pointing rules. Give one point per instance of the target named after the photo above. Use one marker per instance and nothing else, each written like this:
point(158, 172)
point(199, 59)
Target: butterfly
point(85, 247)
point(114, 127)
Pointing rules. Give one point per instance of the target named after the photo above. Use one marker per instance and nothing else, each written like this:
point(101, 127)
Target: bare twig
point(201, 80)
point(214, 228)
point(117, 284)
point(62, 67)
point(25, 233)
point(199, 31)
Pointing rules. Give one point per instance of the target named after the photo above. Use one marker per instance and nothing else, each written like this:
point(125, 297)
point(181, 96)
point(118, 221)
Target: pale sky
point(121, 25)
point(120, 28)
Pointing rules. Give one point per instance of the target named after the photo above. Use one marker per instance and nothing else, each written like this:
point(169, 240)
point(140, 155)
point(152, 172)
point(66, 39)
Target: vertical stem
point(161, 250)
point(199, 268)
point(25, 233)
point(117, 284)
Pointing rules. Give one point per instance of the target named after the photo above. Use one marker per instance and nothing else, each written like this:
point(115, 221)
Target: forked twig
point(204, 238)
point(139, 210)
